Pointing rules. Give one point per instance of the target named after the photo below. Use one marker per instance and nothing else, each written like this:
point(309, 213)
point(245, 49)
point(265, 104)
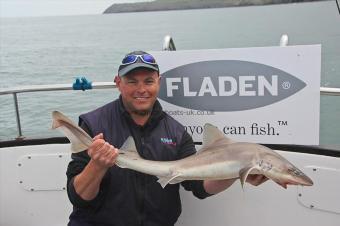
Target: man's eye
point(149, 82)
point(131, 82)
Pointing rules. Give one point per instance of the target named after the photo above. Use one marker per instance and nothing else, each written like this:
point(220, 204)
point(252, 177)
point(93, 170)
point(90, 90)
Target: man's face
point(139, 90)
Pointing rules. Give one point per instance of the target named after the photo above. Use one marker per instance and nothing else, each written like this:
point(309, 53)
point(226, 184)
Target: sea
point(58, 49)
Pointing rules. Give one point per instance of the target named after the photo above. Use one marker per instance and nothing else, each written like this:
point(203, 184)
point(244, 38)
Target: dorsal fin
point(129, 145)
point(127, 153)
point(212, 134)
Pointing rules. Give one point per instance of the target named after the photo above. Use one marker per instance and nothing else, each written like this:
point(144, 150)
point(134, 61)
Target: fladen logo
point(227, 85)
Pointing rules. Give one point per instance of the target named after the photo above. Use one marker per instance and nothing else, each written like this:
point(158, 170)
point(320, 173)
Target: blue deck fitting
point(82, 84)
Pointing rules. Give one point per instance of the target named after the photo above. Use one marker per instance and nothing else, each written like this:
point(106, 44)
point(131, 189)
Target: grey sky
point(29, 8)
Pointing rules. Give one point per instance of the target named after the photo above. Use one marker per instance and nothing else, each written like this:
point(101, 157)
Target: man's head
point(138, 81)
point(137, 59)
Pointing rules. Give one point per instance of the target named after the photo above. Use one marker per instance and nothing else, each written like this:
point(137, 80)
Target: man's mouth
point(141, 98)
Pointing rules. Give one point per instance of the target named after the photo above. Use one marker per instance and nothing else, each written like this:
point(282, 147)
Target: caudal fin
point(79, 139)
point(76, 144)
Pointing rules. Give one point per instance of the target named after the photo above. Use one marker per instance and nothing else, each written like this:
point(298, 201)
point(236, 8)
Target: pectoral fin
point(244, 174)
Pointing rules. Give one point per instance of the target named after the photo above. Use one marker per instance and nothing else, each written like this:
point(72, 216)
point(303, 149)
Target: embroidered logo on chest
point(168, 141)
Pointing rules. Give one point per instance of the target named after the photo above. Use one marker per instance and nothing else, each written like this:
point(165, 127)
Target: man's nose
point(141, 87)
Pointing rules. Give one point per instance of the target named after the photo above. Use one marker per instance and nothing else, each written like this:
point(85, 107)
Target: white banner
point(263, 95)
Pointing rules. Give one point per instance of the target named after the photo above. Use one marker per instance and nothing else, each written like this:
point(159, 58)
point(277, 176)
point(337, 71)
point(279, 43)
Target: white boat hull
point(33, 180)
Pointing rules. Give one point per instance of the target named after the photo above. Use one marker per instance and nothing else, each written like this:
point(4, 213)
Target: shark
point(219, 158)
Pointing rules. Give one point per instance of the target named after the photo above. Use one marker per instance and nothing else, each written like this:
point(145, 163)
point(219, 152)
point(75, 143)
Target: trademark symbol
point(286, 85)
point(283, 123)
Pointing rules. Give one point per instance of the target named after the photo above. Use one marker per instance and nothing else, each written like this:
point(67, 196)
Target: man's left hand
point(256, 179)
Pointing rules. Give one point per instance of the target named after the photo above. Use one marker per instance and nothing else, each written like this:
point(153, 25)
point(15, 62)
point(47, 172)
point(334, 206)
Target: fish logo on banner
point(227, 85)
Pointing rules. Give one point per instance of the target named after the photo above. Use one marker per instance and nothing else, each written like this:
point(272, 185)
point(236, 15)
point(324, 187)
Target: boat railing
point(96, 86)
point(44, 88)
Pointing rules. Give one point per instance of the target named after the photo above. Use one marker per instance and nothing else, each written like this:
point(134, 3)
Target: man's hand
point(103, 156)
point(256, 179)
point(102, 153)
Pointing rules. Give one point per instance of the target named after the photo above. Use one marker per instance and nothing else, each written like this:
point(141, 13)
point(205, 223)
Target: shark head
point(255, 159)
point(282, 171)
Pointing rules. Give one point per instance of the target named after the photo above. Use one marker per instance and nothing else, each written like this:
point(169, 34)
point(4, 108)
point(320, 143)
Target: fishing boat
point(33, 180)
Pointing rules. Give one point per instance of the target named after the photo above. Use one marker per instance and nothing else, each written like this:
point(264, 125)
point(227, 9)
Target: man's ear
point(159, 80)
point(117, 79)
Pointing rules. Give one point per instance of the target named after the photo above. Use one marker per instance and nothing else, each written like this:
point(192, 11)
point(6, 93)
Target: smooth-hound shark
point(219, 158)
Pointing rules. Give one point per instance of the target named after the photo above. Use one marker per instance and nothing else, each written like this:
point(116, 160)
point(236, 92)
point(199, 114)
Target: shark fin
point(175, 181)
point(244, 174)
point(77, 145)
point(169, 180)
point(79, 139)
point(129, 150)
point(212, 134)
point(129, 145)
point(57, 117)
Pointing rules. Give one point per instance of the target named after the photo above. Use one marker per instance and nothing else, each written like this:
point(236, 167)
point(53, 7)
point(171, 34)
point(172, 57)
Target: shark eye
point(264, 165)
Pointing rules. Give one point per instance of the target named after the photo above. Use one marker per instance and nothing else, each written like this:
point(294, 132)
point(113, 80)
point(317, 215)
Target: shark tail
point(79, 142)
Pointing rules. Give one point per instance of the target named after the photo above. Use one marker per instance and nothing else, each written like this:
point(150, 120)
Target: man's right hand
point(102, 153)
point(103, 156)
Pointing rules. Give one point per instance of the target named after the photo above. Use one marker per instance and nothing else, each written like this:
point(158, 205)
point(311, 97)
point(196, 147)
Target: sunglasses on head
point(146, 58)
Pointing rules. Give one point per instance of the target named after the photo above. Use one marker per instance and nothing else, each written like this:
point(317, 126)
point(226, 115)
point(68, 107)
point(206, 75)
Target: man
point(104, 194)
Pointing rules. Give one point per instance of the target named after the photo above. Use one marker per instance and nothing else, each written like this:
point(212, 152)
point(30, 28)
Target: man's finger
point(111, 158)
point(99, 136)
point(98, 154)
point(95, 147)
point(257, 179)
point(252, 179)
